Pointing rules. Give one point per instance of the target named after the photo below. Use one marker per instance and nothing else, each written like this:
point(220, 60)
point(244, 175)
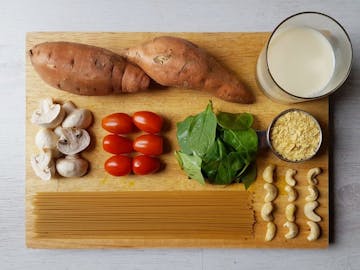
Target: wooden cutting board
point(238, 52)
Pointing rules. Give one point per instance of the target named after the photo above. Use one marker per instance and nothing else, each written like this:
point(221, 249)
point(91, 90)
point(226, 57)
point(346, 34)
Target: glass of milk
point(308, 56)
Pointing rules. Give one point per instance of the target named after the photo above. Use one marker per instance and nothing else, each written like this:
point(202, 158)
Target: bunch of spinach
point(221, 148)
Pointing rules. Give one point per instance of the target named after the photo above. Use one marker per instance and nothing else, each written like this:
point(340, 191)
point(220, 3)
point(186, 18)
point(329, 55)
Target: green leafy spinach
point(221, 148)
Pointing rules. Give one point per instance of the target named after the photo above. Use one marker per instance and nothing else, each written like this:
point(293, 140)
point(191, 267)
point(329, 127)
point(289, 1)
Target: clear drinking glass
point(274, 67)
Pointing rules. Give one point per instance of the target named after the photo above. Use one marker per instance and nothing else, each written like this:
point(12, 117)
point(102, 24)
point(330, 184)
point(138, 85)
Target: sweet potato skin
point(172, 61)
point(86, 70)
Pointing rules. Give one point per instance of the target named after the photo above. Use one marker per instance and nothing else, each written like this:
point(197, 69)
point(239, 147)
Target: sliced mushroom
point(43, 165)
point(68, 107)
point(79, 118)
point(72, 166)
point(72, 140)
point(49, 115)
point(46, 139)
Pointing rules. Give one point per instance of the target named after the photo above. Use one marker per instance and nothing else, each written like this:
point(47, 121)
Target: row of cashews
point(312, 204)
point(290, 209)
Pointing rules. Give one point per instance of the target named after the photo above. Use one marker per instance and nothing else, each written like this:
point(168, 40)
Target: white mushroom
point(289, 177)
point(314, 231)
point(68, 107)
point(266, 211)
point(58, 131)
point(46, 139)
point(292, 193)
point(72, 140)
point(268, 173)
point(309, 211)
point(313, 193)
point(270, 231)
point(72, 166)
point(43, 165)
point(49, 115)
point(79, 118)
point(311, 176)
point(293, 229)
point(271, 192)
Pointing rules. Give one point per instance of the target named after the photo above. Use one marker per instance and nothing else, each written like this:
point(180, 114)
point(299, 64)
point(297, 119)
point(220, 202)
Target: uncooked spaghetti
point(143, 214)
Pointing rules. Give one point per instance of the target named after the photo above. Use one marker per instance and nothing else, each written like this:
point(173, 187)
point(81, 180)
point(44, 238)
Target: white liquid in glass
point(301, 60)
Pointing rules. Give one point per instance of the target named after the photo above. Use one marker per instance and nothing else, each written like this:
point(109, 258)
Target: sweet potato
point(86, 70)
point(172, 61)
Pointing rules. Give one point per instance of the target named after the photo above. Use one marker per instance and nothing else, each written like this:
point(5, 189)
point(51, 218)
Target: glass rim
point(351, 54)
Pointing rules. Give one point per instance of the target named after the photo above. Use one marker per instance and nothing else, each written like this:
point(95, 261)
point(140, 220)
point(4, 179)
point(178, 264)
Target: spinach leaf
point(212, 158)
point(219, 148)
point(216, 151)
point(249, 175)
point(238, 121)
point(210, 169)
point(202, 131)
point(224, 171)
point(244, 141)
point(191, 164)
point(182, 134)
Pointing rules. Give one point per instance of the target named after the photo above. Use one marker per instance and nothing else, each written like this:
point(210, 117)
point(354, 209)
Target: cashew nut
point(293, 230)
point(268, 174)
point(289, 177)
point(314, 231)
point(271, 192)
point(313, 193)
point(266, 211)
point(292, 193)
point(290, 212)
point(309, 211)
point(311, 176)
point(270, 231)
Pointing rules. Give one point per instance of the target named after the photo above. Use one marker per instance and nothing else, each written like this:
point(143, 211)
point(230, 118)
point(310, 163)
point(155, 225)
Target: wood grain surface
point(18, 17)
point(237, 51)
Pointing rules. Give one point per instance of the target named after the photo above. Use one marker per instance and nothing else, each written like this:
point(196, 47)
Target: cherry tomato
point(149, 144)
point(118, 123)
point(116, 144)
point(148, 121)
point(118, 165)
point(142, 165)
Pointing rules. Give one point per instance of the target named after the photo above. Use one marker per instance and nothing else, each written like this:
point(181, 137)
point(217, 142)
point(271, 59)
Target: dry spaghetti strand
point(143, 214)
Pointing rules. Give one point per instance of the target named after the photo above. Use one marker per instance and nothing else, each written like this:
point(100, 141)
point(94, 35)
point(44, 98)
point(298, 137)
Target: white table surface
point(19, 17)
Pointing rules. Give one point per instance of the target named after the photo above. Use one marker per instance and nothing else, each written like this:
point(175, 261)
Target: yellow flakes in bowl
point(295, 136)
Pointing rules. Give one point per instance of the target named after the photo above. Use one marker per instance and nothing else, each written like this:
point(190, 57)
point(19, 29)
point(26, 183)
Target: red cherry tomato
point(148, 121)
point(145, 165)
point(116, 144)
point(118, 165)
point(149, 144)
point(118, 123)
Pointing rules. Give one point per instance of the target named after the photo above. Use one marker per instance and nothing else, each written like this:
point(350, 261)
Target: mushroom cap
point(72, 166)
point(43, 165)
point(72, 140)
point(68, 107)
point(48, 115)
point(46, 139)
point(79, 118)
